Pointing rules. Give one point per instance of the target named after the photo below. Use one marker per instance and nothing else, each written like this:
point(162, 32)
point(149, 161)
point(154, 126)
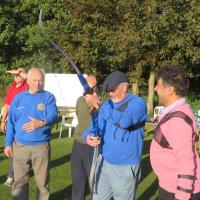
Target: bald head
point(35, 80)
point(92, 81)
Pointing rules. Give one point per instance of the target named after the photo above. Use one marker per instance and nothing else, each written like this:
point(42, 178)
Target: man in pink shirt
point(173, 156)
point(16, 87)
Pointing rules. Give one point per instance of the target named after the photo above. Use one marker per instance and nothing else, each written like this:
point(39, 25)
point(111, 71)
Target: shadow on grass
point(146, 170)
point(59, 161)
point(1, 149)
point(149, 192)
point(3, 178)
point(145, 164)
point(64, 194)
point(2, 138)
point(55, 134)
point(2, 157)
point(54, 163)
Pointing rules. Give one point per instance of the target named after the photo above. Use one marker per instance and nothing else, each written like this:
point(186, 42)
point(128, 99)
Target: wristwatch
point(44, 123)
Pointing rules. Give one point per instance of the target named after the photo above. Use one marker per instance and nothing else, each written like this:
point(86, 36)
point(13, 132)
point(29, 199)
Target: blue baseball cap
point(113, 80)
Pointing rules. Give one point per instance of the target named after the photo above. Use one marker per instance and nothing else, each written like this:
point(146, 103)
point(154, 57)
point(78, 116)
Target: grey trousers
point(25, 157)
point(10, 170)
point(116, 181)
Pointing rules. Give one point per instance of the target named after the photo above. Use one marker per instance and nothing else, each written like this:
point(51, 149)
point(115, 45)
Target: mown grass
point(60, 182)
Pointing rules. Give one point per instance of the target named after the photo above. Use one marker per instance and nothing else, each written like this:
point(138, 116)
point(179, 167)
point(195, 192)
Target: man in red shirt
point(16, 87)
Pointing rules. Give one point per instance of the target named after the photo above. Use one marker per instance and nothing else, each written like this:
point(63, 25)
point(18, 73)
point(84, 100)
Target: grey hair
point(126, 84)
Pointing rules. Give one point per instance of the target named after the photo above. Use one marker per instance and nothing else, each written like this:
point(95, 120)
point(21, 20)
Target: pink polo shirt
point(182, 159)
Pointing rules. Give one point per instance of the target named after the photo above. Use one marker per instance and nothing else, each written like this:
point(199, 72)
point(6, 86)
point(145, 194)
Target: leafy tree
point(21, 41)
point(136, 36)
point(169, 33)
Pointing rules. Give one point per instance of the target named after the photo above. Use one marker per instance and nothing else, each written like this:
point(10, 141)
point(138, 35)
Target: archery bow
point(83, 83)
point(67, 58)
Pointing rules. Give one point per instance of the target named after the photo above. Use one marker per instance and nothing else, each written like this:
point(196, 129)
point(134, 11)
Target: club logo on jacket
point(40, 106)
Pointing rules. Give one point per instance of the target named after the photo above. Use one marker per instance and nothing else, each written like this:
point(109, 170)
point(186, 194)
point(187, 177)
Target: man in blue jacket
point(121, 122)
point(31, 115)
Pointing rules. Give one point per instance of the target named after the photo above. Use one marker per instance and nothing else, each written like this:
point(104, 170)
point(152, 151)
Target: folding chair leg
point(60, 132)
point(70, 132)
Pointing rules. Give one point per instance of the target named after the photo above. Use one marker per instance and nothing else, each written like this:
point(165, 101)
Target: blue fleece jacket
point(119, 145)
point(42, 106)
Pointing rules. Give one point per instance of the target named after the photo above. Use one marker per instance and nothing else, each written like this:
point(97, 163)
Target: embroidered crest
point(40, 106)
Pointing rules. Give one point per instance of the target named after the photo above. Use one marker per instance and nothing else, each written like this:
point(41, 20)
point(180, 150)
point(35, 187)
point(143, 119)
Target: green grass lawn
point(60, 182)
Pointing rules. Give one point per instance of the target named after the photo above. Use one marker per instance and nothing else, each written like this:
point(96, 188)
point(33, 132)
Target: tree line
point(134, 36)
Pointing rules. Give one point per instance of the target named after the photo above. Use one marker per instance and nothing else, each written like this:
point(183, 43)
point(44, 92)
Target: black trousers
point(165, 195)
point(81, 161)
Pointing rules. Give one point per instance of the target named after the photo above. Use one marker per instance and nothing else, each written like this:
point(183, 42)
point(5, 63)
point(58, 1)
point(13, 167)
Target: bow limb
point(67, 58)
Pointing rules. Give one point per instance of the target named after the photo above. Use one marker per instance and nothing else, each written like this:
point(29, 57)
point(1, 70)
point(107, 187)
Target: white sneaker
point(9, 182)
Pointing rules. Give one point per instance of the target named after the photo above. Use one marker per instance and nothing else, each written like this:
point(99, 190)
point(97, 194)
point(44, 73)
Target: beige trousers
point(26, 157)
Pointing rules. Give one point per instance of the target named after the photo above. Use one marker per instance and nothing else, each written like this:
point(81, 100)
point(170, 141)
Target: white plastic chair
point(70, 121)
point(197, 117)
point(157, 111)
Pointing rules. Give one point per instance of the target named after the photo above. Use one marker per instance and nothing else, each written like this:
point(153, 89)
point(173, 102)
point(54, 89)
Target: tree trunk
point(150, 92)
point(135, 88)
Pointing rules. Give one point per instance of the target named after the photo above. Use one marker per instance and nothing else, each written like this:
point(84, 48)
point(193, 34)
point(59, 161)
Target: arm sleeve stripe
point(184, 190)
point(186, 176)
